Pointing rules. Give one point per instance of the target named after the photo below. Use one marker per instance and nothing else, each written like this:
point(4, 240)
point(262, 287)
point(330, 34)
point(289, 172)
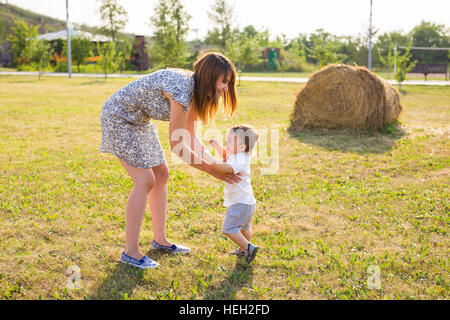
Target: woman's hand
point(223, 167)
point(224, 175)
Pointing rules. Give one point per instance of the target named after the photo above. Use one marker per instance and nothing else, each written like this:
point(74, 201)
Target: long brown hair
point(206, 72)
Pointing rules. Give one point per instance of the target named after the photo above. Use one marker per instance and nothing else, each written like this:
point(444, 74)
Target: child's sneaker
point(144, 263)
point(239, 252)
point(175, 248)
point(251, 252)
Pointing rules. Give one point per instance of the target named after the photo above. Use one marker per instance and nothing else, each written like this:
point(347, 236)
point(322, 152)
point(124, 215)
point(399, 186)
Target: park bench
point(427, 68)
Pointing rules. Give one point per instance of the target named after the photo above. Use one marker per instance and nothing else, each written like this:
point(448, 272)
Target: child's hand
point(214, 143)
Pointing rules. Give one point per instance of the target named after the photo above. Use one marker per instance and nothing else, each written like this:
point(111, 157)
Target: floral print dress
point(127, 129)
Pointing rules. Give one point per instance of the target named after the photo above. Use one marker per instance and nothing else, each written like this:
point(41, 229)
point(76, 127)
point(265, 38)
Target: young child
point(239, 196)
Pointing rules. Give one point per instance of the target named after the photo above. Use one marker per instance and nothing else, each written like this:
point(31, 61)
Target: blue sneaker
point(144, 263)
point(251, 252)
point(175, 248)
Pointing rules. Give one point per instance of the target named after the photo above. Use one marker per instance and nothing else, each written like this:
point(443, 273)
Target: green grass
point(340, 203)
point(94, 68)
point(382, 74)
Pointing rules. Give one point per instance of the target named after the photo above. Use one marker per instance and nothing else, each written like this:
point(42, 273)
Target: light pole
point(69, 49)
point(370, 38)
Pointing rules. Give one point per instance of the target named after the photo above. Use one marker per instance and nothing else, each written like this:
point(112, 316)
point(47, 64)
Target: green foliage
point(61, 67)
point(170, 22)
point(39, 53)
point(428, 34)
point(385, 43)
point(326, 54)
point(404, 65)
point(223, 33)
point(114, 17)
point(245, 51)
point(249, 51)
point(124, 48)
point(107, 53)
point(22, 37)
point(294, 59)
point(81, 49)
point(2, 30)
point(388, 62)
point(325, 48)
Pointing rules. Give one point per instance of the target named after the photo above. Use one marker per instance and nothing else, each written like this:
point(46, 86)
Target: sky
point(289, 17)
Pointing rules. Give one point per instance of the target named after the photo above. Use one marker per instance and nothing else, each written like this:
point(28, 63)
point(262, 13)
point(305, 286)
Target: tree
point(81, 49)
point(428, 34)
point(39, 54)
point(250, 31)
point(293, 59)
point(250, 52)
point(404, 65)
point(388, 62)
point(385, 43)
point(22, 37)
point(170, 22)
point(114, 17)
point(221, 15)
point(124, 48)
point(107, 53)
point(325, 48)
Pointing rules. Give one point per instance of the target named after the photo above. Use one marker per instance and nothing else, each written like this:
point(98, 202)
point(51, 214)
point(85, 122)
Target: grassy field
point(385, 75)
point(341, 205)
point(93, 68)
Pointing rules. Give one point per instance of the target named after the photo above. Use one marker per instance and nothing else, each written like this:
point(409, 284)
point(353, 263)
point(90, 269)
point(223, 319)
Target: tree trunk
point(106, 67)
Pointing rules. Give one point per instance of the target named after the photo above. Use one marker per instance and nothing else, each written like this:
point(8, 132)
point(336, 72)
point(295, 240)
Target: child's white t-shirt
point(240, 192)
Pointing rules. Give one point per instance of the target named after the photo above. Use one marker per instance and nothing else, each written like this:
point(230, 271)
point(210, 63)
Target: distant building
point(62, 35)
point(139, 56)
point(6, 55)
point(272, 56)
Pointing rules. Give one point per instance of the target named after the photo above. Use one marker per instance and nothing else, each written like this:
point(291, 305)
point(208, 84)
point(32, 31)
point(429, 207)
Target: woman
point(180, 97)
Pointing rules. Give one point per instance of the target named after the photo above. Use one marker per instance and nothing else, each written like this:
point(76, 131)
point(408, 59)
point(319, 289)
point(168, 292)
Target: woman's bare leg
point(144, 180)
point(158, 204)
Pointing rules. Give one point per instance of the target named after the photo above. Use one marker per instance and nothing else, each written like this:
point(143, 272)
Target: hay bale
point(341, 96)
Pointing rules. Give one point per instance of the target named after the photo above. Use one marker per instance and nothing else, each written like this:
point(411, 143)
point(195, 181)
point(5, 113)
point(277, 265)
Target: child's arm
point(221, 166)
point(221, 150)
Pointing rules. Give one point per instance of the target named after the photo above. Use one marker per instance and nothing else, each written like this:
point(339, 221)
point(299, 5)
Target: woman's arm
point(196, 143)
point(182, 140)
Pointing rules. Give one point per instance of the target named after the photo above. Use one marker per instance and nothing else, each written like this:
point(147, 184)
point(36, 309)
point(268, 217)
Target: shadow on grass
point(28, 81)
point(236, 279)
point(119, 284)
point(351, 141)
point(92, 82)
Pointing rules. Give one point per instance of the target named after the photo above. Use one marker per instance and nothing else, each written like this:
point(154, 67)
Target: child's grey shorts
point(238, 217)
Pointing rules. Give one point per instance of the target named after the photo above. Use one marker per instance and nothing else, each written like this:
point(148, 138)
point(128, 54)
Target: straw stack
point(342, 96)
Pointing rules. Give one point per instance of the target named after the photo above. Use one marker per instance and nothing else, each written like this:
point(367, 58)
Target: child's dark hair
point(247, 134)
